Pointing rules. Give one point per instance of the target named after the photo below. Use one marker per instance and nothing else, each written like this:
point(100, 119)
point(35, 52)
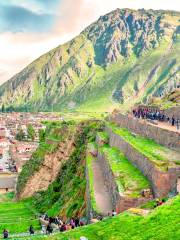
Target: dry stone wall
point(119, 202)
point(163, 183)
point(142, 127)
point(109, 179)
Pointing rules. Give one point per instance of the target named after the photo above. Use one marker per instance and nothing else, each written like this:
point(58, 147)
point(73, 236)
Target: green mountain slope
point(125, 57)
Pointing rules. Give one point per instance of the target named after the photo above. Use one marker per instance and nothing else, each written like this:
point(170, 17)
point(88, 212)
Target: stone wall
point(125, 203)
point(109, 179)
point(163, 183)
point(89, 211)
point(145, 129)
point(119, 202)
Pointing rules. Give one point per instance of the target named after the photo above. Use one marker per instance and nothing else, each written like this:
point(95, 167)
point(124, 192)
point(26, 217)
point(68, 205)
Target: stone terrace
point(158, 163)
point(162, 136)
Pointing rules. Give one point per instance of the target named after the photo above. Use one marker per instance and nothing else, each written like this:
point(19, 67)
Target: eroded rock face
point(124, 32)
point(49, 170)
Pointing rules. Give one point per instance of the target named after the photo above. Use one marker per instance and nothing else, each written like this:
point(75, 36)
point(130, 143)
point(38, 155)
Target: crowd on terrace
point(155, 114)
point(50, 225)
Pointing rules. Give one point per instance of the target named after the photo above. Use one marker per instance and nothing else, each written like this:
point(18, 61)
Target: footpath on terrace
point(102, 196)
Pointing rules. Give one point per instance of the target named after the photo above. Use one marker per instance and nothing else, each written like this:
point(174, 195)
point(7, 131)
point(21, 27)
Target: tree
point(31, 132)
point(20, 136)
point(42, 135)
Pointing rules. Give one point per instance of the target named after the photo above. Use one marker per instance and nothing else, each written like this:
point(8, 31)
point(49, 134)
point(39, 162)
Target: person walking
point(177, 123)
point(49, 229)
point(5, 233)
point(31, 230)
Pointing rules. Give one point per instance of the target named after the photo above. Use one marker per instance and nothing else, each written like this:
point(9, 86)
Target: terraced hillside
point(110, 167)
point(158, 163)
point(117, 184)
point(17, 216)
point(163, 157)
point(126, 57)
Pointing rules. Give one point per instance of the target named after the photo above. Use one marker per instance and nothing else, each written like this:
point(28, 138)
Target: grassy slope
point(65, 196)
point(17, 216)
point(89, 161)
point(162, 223)
point(161, 156)
point(129, 179)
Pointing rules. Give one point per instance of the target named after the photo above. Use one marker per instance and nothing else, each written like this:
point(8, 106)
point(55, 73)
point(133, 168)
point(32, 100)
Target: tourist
point(5, 233)
point(76, 222)
point(46, 218)
point(155, 114)
point(72, 223)
point(49, 228)
point(177, 123)
point(43, 229)
point(31, 230)
point(63, 227)
point(81, 223)
point(114, 213)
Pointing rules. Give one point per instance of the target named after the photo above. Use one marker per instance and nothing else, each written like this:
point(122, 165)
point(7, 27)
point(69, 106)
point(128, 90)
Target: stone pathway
point(102, 196)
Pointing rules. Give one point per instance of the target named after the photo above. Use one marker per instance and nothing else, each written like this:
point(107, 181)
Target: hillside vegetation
point(162, 223)
point(17, 216)
point(65, 196)
point(126, 57)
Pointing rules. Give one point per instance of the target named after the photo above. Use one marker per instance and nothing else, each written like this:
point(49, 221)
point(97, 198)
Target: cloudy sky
point(29, 28)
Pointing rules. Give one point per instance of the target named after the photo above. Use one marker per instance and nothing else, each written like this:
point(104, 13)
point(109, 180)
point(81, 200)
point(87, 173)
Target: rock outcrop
point(49, 170)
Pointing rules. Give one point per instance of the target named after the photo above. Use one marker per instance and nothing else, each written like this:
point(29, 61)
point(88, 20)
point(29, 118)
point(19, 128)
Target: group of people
point(62, 225)
point(155, 114)
point(159, 202)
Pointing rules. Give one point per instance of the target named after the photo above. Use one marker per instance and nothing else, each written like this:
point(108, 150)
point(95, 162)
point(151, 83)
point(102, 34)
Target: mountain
point(126, 57)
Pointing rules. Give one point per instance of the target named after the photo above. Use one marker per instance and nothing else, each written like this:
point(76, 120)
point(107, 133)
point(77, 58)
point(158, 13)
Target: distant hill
point(126, 57)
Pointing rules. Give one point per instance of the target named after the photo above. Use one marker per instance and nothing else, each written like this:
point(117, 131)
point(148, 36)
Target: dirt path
point(102, 196)
point(167, 126)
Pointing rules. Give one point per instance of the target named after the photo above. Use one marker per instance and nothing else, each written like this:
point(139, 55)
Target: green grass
point(129, 179)
point(89, 160)
point(103, 136)
point(161, 156)
point(17, 216)
point(162, 224)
